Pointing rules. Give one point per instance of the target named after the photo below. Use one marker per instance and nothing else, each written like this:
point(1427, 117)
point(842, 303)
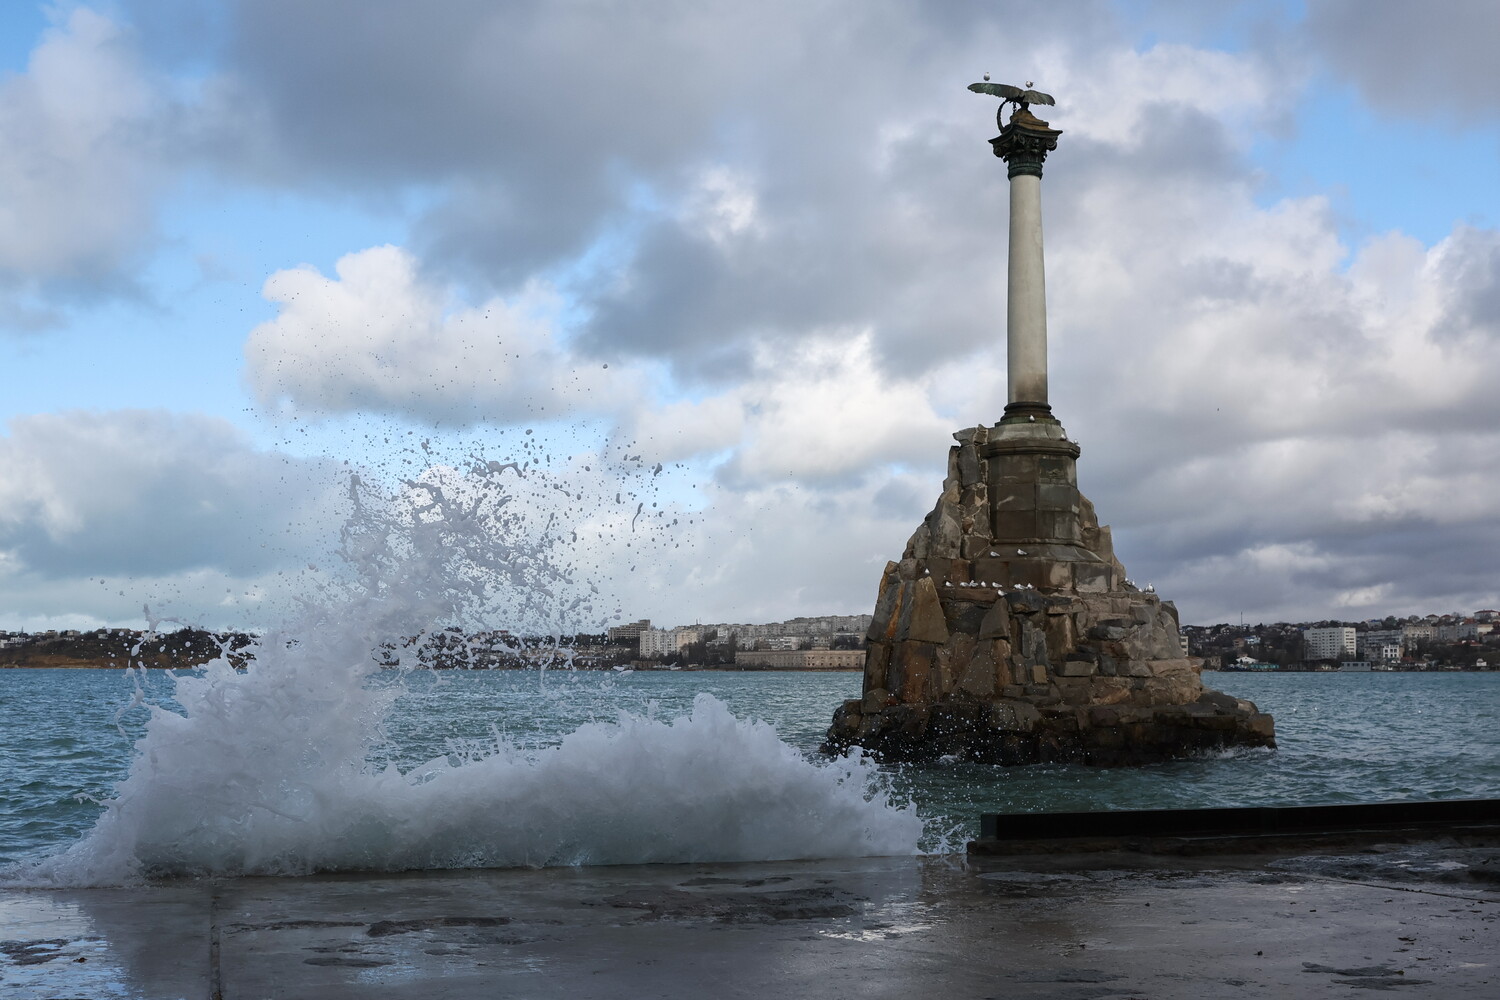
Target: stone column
point(1024, 144)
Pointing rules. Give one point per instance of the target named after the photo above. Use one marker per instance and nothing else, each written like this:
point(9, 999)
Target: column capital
point(1025, 143)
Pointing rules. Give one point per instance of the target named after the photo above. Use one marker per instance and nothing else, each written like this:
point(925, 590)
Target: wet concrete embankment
point(1417, 918)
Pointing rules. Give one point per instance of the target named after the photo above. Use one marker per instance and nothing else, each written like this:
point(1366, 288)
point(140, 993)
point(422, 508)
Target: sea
point(110, 776)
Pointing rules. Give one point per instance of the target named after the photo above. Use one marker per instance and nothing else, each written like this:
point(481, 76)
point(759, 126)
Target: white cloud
point(182, 507)
point(80, 162)
point(379, 337)
point(794, 266)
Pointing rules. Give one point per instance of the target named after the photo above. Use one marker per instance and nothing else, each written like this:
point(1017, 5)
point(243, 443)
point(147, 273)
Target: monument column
point(1024, 144)
point(1007, 632)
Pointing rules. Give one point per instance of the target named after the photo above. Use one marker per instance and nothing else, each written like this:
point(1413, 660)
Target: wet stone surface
point(1421, 920)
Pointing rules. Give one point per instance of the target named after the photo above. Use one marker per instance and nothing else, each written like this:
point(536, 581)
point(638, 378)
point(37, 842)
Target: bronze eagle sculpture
point(1006, 92)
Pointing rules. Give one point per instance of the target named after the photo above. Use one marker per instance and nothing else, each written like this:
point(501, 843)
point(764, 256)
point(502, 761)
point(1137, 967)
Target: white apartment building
point(657, 642)
point(1328, 643)
point(669, 641)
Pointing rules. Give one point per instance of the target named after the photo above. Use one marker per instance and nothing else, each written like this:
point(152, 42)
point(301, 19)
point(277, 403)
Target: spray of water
point(267, 769)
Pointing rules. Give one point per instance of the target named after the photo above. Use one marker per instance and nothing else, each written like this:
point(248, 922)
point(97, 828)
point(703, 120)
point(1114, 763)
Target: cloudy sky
point(248, 248)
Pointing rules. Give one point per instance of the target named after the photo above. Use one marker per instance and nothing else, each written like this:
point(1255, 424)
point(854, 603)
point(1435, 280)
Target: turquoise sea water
point(67, 738)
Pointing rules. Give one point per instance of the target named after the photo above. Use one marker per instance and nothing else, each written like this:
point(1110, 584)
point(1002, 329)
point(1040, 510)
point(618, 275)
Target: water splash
point(268, 770)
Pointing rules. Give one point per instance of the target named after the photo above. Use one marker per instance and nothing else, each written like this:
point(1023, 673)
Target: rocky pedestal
point(1008, 633)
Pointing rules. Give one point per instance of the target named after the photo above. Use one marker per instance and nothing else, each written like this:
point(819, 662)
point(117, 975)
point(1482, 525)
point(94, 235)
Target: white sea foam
point(266, 770)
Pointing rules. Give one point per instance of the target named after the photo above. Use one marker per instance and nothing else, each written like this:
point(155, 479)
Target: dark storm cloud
point(1436, 58)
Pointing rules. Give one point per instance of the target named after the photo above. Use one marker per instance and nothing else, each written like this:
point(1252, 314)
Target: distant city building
point(656, 642)
point(1456, 631)
point(628, 635)
point(1335, 643)
point(802, 659)
point(1381, 645)
point(1417, 633)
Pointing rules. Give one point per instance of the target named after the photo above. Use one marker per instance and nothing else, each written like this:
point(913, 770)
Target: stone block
point(916, 660)
point(1038, 674)
point(943, 681)
point(1013, 468)
point(874, 700)
point(1014, 716)
point(978, 594)
point(1086, 515)
point(1058, 525)
point(969, 466)
point(1057, 469)
point(1001, 653)
point(976, 546)
point(1076, 668)
point(1178, 667)
point(1014, 526)
point(1032, 643)
point(1015, 496)
point(978, 678)
point(1013, 691)
point(1092, 578)
point(919, 546)
point(996, 622)
point(895, 673)
point(991, 569)
point(887, 614)
point(1028, 573)
point(907, 569)
point(964, 617)
point(877, 663)
point(1137, 668)
point(1059, 497)
point(1025, 602)
point(935, 567)
point(1101, 716)
point(961, 648)
point(946, 532)
point(927, 623)
point(1175, 689)
point(1059, 632)
point(1110, 690)
point(1058, 576)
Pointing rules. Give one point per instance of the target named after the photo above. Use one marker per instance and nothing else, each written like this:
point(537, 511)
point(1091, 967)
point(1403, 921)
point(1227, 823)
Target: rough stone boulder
point(1008, 633)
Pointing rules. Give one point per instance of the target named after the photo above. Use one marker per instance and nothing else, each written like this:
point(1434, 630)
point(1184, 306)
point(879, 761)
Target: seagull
point(1020, 552)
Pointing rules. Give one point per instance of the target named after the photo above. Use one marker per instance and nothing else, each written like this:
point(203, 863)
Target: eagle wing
point(1001, 90)
point(1037, 97)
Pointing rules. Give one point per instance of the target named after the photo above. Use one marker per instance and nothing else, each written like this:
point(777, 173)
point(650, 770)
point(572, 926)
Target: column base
point(1018, 413)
